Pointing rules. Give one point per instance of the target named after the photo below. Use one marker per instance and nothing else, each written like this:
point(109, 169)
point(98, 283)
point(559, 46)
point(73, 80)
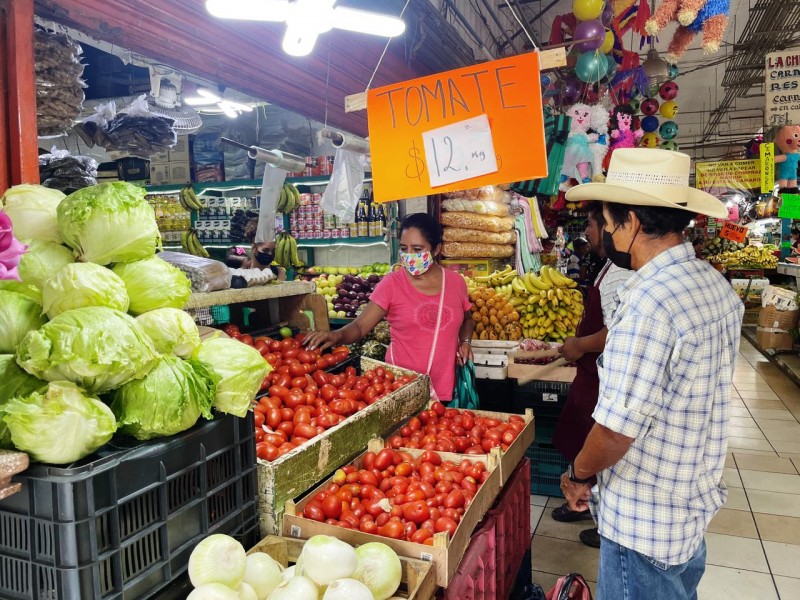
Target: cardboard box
point(772, 318)
point(474, 268)
point(133, 169)
point(180, 153)
point(773, 339)
point(547, 372)
point(159, 173)
point(180, 172)
point(161, 157)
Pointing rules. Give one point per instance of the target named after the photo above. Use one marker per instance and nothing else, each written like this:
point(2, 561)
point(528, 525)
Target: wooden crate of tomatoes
point(309, 424)
point(422, 503)
point(469, 432)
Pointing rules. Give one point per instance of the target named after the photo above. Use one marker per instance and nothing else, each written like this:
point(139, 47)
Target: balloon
point(591, 67)
point(650, 106)
point(670, 145)
point(650, 124)
point(668, 90)
point(608, 14)
point(612, 68)
point(591, 31)
point(608, 42)
point(635, 104)
point(668, 129)
point(570, 91)
point(649, 140)
point(669, 109)
point(586, 10)
point(674, 71)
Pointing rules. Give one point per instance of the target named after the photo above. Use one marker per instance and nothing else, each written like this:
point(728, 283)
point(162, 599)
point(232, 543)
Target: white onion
point(326, 559)
point(213, 591)
point(246, 592)
point(297, 588)
point(379, 569)
point(347, 589)
point(288, 573)
point(218, 559)
point(263, 574)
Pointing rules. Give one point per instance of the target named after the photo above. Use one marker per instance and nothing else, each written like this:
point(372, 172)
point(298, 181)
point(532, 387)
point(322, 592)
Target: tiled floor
point(754, 541)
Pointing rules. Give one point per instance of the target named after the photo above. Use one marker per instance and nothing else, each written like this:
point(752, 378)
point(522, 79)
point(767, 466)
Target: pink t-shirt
point(412, 321)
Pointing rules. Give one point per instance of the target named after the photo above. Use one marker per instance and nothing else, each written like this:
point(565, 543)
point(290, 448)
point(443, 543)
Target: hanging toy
point(670, 145)
point(649, 106)
point(669, 109)
point(622, 132)
point(668, 90)
point(650, 124)
point(668, 130)
point(788, 141)
point(694, 16)
point(599, 147)
point(649, 140)
point(578, 156)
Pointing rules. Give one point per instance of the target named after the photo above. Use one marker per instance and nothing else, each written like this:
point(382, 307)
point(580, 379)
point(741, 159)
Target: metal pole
point(497, 22)
point(460, 16)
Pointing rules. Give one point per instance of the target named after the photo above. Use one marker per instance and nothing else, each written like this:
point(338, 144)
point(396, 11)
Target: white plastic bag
point(270, 189)
point(346, 185)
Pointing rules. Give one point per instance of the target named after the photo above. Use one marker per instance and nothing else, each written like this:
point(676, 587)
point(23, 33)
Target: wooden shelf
point(238, 296)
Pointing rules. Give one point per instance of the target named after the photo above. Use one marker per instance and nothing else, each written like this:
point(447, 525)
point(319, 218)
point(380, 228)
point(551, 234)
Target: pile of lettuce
point(74, 362)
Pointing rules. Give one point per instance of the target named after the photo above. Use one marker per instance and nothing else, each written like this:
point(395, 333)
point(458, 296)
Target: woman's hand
point(322, 340)
point(464, 353)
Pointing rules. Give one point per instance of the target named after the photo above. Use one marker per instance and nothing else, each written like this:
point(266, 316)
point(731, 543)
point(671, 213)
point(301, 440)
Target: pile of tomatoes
point(452, 430)
point(303, 400)
point(396, 496)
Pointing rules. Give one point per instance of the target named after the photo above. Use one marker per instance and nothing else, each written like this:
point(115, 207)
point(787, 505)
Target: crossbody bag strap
point(438, 323)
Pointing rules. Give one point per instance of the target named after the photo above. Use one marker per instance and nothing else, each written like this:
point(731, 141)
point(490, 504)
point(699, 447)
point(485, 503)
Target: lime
point(285, 332)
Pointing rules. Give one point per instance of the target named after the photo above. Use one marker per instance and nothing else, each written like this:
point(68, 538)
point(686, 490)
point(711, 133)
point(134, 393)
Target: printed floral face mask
point(417, 263)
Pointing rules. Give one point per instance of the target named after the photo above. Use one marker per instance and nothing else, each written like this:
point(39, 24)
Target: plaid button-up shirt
point(665, 380)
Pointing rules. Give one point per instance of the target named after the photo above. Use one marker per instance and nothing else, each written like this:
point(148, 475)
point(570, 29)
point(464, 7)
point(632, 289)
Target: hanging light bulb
point(656, 68)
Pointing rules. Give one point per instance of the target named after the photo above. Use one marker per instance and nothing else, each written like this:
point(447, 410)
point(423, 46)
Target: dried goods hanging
point(61, 171)
point(59, 87)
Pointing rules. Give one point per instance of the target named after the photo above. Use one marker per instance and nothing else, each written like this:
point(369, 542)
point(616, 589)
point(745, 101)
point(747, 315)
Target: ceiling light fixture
point(206, 97)
point(306, 20)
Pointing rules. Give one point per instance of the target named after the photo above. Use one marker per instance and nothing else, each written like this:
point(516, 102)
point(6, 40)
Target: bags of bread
point(476, 250)
point(467, 220)
point(454, 234)
point(482, 207)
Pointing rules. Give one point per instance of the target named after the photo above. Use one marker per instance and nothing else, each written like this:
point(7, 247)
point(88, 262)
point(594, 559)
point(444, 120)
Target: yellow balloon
point(649, 140)
point(586, 10)
point(608, 43)
point(669, 109)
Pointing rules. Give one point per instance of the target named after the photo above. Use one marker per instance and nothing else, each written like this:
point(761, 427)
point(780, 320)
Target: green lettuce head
point(241, 369)
point(83, 284)
point(154, 283)
point(32, 209)
point(15, 381)
point(173, 331)
point(60, 425)
point(42, 261)
point(96, 347)
point(168, 400)
point(18, 315)
point(109, 223)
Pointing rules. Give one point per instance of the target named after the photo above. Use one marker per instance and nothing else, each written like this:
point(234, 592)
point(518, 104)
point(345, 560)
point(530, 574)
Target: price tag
point(733, 232)
point(790, 206)
point(460, 151)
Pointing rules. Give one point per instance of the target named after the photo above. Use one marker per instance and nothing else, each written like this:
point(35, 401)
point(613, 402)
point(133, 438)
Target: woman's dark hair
point(656, 221)
point(429, 227)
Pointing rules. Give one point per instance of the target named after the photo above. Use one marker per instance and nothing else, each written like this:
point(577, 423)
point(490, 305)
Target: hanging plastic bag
point(270, 189)
point(346, 185)
point(464, 394)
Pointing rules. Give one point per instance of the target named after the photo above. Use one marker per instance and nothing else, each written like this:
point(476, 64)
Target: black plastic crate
point(545, 428)
point(496, 395)
point(546, 398)
point(128, 517)
point(547, 466)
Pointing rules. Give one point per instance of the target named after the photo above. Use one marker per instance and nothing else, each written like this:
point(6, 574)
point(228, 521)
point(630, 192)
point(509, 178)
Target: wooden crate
point(417, 581)
point(296, 472)
point(507, 461)
point(539, 372)
point(445, 554)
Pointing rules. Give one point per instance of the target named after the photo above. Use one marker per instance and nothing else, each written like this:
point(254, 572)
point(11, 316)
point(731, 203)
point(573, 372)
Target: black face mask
point(265, 257)
point(620, 259)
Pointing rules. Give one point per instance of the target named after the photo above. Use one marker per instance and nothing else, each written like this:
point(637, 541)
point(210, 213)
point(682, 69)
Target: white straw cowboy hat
point(650, 177)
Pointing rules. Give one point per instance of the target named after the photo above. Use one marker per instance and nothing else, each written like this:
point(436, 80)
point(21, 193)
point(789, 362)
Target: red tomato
point(313, 510)
point(294, 399)
point(306, 431)
point(300, 383)
point(328, 392)
point(446, 524)
point(392, 529)
point(296, 370)
point(368, 527)
point(259, 419)
point(383, 459)
point(417, 512)
point(278, 391)
point(420, 535)
point(368, 460)
point(332, 507)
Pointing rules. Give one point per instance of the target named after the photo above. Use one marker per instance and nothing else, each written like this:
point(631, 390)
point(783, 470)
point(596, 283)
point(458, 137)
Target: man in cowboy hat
point(659, 441)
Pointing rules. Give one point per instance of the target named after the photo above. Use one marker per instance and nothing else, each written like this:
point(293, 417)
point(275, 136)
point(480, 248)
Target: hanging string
point(385, 48)
point(521, 25)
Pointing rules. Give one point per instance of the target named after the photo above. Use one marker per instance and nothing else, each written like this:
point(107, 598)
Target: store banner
point(723, 176)
point(429, 135)
point(782, 87)
point(790, 206)
point(767, 152)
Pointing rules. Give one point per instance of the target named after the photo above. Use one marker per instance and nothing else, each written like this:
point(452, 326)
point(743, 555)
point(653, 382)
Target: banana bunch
point(549, 304)
point(498, 278)
point(188, 199)
point(288, 200)
point(191, 244)
point(286, 251)
point(751, 256)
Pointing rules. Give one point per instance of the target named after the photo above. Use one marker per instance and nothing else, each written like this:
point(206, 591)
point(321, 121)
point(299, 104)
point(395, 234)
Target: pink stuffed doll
point(788, 140)
point(578, 155)
point(694, 16)
point(622, 133)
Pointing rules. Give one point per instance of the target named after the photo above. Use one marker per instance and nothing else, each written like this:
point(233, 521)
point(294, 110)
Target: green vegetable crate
point(123, 522)
point(296, 472)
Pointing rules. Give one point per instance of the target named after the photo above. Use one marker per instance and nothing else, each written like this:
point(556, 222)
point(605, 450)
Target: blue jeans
point(625, 574)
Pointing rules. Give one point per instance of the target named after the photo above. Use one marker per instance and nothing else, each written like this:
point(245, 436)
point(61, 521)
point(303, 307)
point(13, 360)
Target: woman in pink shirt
point(427, 307)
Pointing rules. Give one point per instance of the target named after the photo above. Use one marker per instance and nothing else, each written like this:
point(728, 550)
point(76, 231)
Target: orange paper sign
point(735, 233)
point(507, 91)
